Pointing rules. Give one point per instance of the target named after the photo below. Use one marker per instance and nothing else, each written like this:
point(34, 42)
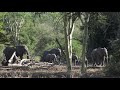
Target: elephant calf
point(74, 59)
point(51, 58)
point(99, 56)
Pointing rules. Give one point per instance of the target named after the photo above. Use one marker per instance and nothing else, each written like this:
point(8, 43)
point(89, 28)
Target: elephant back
point(21, 49)
point(56, 51)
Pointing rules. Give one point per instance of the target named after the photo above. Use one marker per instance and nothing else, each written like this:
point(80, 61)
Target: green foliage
point(77, 48)
point(3, 38)
point(1, 51)
point(37, 32)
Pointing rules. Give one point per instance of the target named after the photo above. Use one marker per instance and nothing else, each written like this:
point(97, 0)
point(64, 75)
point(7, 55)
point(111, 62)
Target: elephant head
point(57, 52)
point(8, 52)
point(21, 50)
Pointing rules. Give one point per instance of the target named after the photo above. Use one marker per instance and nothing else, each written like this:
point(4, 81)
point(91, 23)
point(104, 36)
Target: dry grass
point(46, 70)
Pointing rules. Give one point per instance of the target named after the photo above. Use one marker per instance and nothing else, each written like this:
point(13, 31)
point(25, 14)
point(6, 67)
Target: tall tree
point(84, 17)
point(69, 19)
point(13, 22)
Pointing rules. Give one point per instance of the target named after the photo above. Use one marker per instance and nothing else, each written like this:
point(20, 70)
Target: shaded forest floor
point(94, 72)
point(48, 71)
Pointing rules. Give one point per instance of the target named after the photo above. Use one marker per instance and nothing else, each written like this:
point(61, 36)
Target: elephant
point(86, 61)
point(45, 53)
point(99, 56)
point(21, 50)
point(79, 62)
point(74, 59)
point(56, 51)
point(8, 52)
point(51, 58)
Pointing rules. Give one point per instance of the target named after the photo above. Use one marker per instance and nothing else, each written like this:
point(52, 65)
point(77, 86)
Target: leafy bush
point(1, 51)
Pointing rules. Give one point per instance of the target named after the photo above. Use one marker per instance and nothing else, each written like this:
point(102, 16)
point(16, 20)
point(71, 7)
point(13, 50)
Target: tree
point(98, 32)
point(112, 68)
point(84, 17)
point(69, 19)
point(13, 21)
point(3, 37)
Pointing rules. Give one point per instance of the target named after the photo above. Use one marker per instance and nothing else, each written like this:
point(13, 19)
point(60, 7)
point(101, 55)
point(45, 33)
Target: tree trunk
point(83, 69)
point(85, 38)
point(68, 30)
point(67, 45)
point(60, 48)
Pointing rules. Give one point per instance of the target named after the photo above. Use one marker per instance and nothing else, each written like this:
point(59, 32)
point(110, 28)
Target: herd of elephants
point(99, 56)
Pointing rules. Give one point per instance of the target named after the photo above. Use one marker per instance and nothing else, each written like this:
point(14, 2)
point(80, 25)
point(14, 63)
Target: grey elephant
point(21, 50)
point(56, 51)
point(48, 57)
point(86, 61)
point(51, 58)
point(45, 53)
point(99, 56)
point(74, 59)
point(8, 52)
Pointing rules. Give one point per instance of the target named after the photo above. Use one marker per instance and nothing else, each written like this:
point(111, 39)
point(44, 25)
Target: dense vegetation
point(38, 32)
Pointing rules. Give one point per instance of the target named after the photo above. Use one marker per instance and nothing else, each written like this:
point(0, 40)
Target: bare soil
point(46, 70)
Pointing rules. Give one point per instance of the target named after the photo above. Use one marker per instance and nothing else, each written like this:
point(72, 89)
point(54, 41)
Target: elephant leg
point(50, 60)
point(21, 57)
point(93, 60)
point(102, 62)
point(94, 63)
point(58, 60)
point(106, 61)
point(27, 56)
point(86, 63)
point(53, 60)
